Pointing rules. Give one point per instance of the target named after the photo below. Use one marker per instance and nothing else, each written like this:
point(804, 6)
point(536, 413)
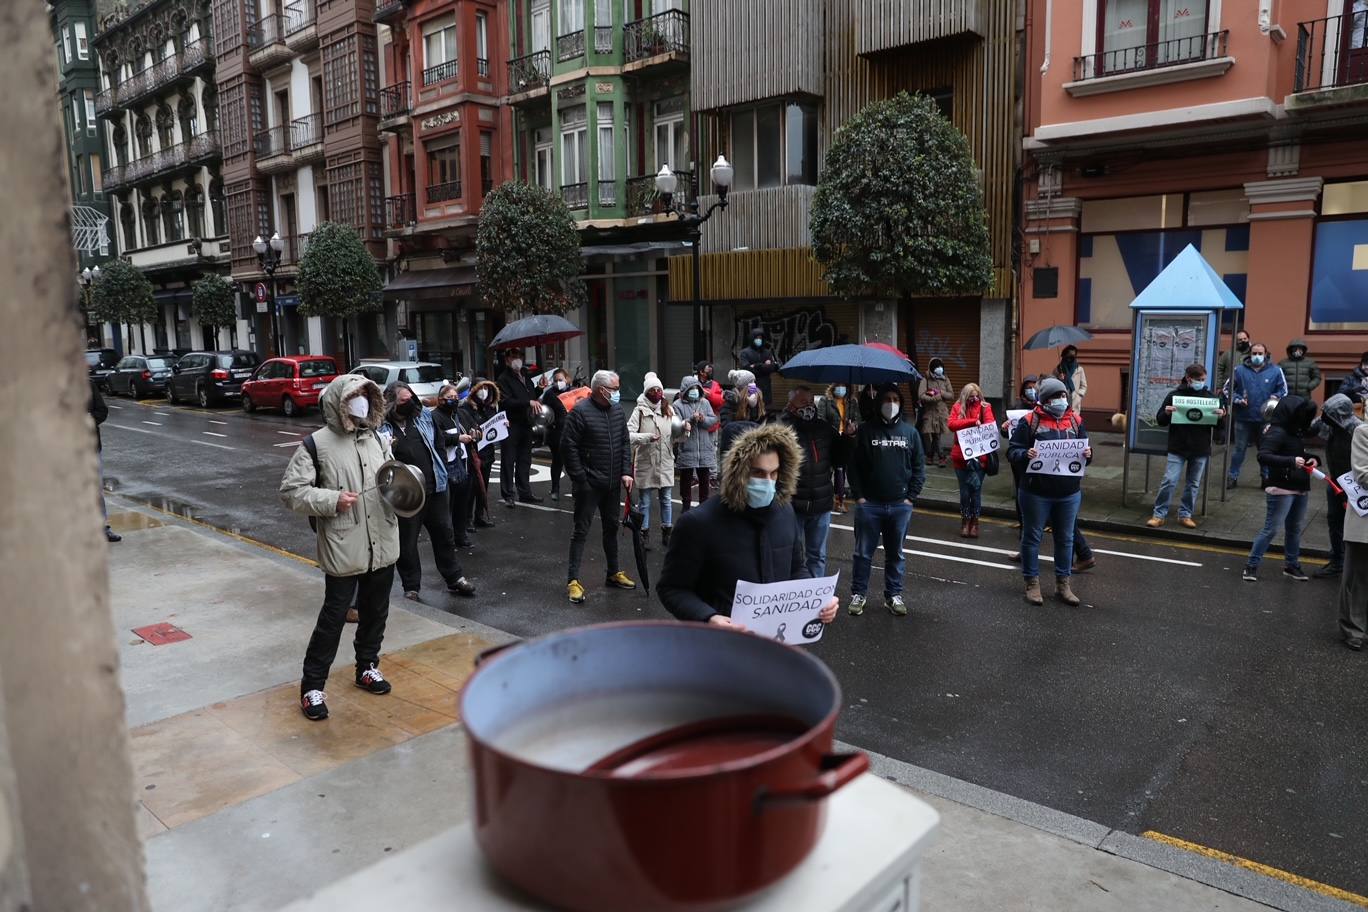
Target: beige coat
point(1355, 526)
point(652, 459)
point(366, 537)
point(1080, 392)
point(935, 413)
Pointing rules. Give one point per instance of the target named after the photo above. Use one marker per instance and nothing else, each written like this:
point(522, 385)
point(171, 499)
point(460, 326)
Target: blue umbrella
point(850, 363)
point(1056, 336)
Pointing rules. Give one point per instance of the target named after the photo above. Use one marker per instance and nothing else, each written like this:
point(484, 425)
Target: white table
point(868, 860)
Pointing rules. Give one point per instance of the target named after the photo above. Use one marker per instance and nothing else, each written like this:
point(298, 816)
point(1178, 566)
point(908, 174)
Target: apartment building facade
point(773, 106)
point(1236, 127)
point(161, 159)
point(447, 146)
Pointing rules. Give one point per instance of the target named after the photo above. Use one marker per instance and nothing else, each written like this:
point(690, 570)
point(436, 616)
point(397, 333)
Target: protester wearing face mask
point(1223, 368)
point(748, 532)
point(837, 409)
point(1254, 384)
point(1074, 378)
point(758, 358)
point(598, 459)
point(696, 460)
point(414, 441)
point(454, 440)
point(1301, 370)
point(814, 497)
point(1283, 462)
point(331, 477)
point(887, 471)
point(1355, 385)
point(970, 410)
point(521, 404)
point(1025, 402)
point(479, 406)
point(743, 410)
point(1051, 500)
point(1189, 446)
point(1336, 426)
point(934, 397)
point(653, 463)
point(711, 389)
point(551, 401)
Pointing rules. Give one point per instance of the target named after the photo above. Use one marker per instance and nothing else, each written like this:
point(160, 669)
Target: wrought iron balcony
point(305, 133)
point(183, 64)
point(301, 29)
point(266, 41)
point(663, 33)
point(529, 72)
point(442, 193)
point(570, 46)
point(482, 66)
point(1332, 52)
point(272, 142)
point(195, 151)
point(399, 211)
point(603, 39)
point(576, 196)
point(394, 100)
point(644, 199)
point(1169, 53)
point(439, 73)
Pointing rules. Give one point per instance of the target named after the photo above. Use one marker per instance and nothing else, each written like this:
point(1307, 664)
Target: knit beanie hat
point(1049, 388)
point(653, 382)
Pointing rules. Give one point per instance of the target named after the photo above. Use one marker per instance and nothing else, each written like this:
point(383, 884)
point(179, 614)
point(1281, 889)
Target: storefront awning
point(446, 282)
point(172, 296)
point(644, 248)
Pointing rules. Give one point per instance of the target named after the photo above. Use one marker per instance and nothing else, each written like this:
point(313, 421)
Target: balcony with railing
point(387, 9)
point(663, 33)
point(306, 139)
point(1332, 60)
point(443, 193)
point(576, 196)
point(482, 67)
point(183, 64)
point(266, 41)
point(197, 150)
point(644, 199)
point(603, 39)
point(529, 72)
point(295, 245)
point(570, 46)
point(272, 147)
point(1173, 60)
point(301, 24)
point(395, 105)
point(399, 211)
point(441, 72)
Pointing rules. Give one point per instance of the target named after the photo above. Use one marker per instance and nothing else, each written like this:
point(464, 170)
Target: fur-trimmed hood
point(339, 391)
point(736, 465)
point(486, 385)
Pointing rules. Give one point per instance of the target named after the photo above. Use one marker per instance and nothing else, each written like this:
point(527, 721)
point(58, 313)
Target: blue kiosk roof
point(1188, 283)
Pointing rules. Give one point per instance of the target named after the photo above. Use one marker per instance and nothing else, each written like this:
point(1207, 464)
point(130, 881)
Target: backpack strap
point(312, 447)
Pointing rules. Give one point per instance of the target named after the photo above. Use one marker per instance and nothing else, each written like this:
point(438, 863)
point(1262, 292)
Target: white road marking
point(124, 427)
point(217, 446)
point(291, 433)
point(959, 560)
point(212, 421)
point(119, 407)
point(153, 423)
point(1162, 560)
point(163, 414)
point(288, 443)
point(213, 434)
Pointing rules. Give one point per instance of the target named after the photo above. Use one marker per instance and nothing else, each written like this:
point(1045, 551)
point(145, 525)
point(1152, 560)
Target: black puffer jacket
point(595, 445)
point(98, 412)
point(1283, 441)
point(817, 439)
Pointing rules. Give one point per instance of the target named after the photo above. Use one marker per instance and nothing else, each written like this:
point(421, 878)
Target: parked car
point(424, 377)
point(292, 383)
point(210, 377)
point(100, 363)
point(139, 376)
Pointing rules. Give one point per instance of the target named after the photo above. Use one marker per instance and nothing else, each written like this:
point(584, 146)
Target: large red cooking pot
point(651, 767)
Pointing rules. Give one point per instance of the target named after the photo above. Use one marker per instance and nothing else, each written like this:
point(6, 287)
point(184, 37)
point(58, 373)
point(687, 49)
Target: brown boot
point(1033, 591)
point(840, 506)
point(1064, 593)
point(973, 527)
point(964, 528)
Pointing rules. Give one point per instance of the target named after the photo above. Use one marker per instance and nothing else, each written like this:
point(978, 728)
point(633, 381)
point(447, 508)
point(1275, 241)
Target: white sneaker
point(857, 605)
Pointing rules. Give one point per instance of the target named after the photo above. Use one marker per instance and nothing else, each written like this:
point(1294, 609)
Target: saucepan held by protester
point(653, 765)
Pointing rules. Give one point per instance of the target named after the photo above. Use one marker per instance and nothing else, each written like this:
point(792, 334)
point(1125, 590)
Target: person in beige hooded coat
point(1353, 598)
point(358, 532)
point(653, 461)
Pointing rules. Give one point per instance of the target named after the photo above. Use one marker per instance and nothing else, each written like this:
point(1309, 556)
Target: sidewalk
point(1233, 523)
point(245, 805)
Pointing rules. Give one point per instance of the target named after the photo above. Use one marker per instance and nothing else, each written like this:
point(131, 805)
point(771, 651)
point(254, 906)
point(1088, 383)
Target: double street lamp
point(88, 279)
point(667, 182)
point(268, 256)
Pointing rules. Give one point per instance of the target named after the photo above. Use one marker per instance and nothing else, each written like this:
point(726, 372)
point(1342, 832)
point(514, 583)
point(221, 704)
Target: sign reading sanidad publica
point(1357, 494)
point(979, 440)
point(1059, 457)
point(786, 611)
point(1195, 410)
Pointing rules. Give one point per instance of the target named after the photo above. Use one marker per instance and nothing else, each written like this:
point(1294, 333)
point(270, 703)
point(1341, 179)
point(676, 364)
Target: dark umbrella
point(632, 519)
point(1056, 336)
point(850, 364)
point(538, 329)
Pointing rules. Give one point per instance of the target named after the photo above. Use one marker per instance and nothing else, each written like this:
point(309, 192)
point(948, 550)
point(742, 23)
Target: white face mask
point(889, 410)
point(359, 406)
point(516, 364)
point(561, 385)
point(482, 395)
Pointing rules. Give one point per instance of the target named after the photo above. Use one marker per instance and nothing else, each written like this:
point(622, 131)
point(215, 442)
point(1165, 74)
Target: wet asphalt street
point(1178, 700)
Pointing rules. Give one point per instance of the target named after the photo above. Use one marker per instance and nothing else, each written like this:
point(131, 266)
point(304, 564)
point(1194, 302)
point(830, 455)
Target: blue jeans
point(815, 529)
point(1173, 470)
point(875, 521)
point(644, 498)
point(1246, 435)
point(1060, 513)
point(970, 489)
point(1288, 511)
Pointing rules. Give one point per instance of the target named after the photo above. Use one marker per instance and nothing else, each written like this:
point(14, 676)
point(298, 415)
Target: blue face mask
point(840, 392)
point(1197, 384)
point(1057, 407)
point(693, 395)
point(1256, 360)
point(758, 343)
point(1030, 394)
point(759, 493)
point(615, 396)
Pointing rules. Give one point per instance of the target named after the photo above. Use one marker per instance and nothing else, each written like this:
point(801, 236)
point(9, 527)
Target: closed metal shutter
point(948, 330)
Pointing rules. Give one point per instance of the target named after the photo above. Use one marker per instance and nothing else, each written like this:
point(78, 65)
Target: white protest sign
point(1058, 457)
point(493, 430)
point(787, 611)
point(1014, 416)
point(979, 440)
point(1358, 496)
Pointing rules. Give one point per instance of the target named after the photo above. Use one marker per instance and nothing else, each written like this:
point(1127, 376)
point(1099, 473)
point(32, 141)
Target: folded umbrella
point(632, 519)
point(850, 364)
point(1055, 336)
point(538, 329)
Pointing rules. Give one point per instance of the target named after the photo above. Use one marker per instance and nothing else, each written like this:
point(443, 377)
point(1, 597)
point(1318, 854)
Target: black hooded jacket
point(1283, 442)
point(1191, 441)
point(817, 439)
point(754, 360)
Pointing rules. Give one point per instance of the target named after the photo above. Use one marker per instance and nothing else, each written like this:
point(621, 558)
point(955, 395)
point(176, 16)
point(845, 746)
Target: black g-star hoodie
point(888, 464)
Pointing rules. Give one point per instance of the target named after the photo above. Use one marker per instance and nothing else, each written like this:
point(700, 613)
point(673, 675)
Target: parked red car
point(292, 383)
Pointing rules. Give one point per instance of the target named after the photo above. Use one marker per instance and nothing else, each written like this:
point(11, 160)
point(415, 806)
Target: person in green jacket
point(1301, 370)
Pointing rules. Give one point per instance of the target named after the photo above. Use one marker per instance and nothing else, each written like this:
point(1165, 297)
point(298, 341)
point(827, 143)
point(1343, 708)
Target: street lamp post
point(268, 255)
point(88, 279)
point(666, 183)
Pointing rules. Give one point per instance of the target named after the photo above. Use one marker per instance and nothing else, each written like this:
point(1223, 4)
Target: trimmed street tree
point(898, 212)
point(211, 301)
point(337, 277)
point(528, 252)
point(123, 295)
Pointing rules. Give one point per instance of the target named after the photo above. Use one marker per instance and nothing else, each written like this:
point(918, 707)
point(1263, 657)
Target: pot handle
point(837, 770)
point(493, 651)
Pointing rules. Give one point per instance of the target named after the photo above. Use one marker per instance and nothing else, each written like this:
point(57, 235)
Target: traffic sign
point(261, 292)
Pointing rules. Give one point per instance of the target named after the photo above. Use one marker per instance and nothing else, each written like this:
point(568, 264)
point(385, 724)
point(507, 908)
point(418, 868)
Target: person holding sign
point(1189, 443)
point(481, 404)
point(1337, 425)
point(1353, 599)
point(1283, 461)
point(747, 532)
point(1020, 410)
point(976, 439)
point(1052, 448)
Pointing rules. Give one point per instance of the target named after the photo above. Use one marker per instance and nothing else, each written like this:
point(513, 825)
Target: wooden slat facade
point(742, 275)
point(761, 219)
point(883, 25)
point(746, 50)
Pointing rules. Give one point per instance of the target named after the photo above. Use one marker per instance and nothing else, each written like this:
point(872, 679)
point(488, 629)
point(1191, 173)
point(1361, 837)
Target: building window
point(1138, 34)
point(571, 16)
point(166, 132)
point(216, 207)
point(96, 173)
point(185, 111)
point(150, 228)
point(542, 153)
point(130, 231)
point(66, 44)
point(439, 48)
point(341, 84)
point(671, 137)
point(444, 169)
point(144, 131)
point(607, 172)
point(774, 144)
point(80, 182)
point(482, 43)
point(603, 26)
point(486, 163)
point(171, 216)
point(82, 42)
point(194, 211)
point(541, 25)
point(574, 154)
point(89, 98)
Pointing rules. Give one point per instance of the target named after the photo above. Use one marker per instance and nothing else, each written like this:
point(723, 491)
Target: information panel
point(1166, 343)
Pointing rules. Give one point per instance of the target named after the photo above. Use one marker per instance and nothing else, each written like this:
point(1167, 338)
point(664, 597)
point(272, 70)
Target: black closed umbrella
point(632, 519)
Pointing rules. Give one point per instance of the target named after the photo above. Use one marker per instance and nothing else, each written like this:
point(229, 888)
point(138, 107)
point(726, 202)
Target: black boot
point(665, 536)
